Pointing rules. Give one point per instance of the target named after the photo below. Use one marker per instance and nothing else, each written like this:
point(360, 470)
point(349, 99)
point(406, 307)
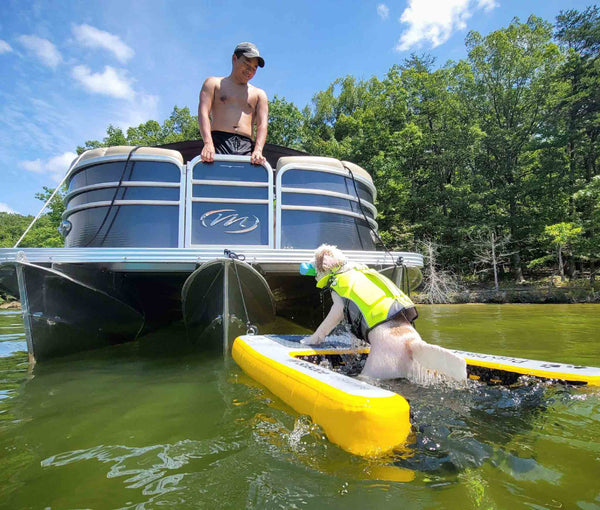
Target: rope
point(251, 329)
point(73, 164)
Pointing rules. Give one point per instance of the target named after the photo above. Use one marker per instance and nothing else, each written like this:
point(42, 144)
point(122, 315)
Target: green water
point(157, 423)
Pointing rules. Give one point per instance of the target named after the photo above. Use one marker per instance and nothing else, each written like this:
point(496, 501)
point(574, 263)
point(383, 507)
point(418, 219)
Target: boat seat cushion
point(125, 149)
point(357, 170)
point(304, 161)
point(307, 161)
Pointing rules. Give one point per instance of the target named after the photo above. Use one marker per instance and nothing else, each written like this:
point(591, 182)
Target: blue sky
point(68, 69)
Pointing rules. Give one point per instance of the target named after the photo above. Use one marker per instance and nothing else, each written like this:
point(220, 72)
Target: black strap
point(112, 202)
point(362, 210)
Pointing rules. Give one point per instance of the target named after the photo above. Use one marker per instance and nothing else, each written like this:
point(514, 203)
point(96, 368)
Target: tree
point(12, 227)
point(562, 235)
point(578, 113)
point(439, 284)
point(513, 87)
point(56, 207)
point(43, 234)
point(285, 124)
point(587, 201)
point(490, 251)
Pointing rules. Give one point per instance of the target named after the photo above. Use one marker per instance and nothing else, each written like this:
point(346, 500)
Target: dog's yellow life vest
point(369, 298)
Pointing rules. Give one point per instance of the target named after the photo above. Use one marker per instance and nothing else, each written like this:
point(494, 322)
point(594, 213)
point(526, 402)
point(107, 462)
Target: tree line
point(492, 159)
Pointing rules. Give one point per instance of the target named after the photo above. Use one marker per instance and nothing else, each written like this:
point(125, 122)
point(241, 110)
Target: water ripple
point(147, 467)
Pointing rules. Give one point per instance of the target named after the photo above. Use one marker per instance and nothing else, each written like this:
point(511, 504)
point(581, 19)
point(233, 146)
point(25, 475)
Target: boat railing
point(229, 202)
point(324, 200)
point(126, 196)
point(148, 197)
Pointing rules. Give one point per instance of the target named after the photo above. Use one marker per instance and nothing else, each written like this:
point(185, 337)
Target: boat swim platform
point(361, 418)
point(270, 260)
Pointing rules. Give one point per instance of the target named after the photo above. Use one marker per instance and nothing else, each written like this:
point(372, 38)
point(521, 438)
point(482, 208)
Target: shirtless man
point(235, 107)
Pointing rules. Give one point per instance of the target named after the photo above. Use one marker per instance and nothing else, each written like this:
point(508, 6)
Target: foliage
point(562, 236)
point(56, 207)
point(43, 234)
point(285, 124)
point(587, 201)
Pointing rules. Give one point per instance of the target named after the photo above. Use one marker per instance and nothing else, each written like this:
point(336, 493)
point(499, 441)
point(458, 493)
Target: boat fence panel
point(317, 202)
point(229, 203)
point(113, 202)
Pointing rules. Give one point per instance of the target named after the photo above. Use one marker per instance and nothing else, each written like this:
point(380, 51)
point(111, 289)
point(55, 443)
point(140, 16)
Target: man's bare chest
point(235, 98)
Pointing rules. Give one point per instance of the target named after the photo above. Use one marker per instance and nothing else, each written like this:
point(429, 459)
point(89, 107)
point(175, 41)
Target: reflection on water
point(563, 333)
point(159, 422)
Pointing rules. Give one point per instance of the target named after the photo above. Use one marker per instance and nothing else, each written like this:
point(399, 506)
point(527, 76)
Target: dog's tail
point(440, 360)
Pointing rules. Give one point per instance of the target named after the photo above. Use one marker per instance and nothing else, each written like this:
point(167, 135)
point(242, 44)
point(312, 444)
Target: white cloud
point(4, 47)
point(144, 108)
point(383, 11)
point(43, 49)
point(487, 5)
point(434, 21)
point(94, 38)
point(112, 82)
point(56, 166)
point(6, 208)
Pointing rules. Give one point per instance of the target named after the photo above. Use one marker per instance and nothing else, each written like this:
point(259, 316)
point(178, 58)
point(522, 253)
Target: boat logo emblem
point(242, 223)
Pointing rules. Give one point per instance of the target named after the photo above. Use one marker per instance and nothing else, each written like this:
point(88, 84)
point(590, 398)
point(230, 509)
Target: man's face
point(245, 68)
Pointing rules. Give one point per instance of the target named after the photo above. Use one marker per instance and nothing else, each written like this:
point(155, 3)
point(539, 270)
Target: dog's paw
point(311, 340)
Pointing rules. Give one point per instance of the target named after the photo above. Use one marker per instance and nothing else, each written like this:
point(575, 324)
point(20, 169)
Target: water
point(157, 423)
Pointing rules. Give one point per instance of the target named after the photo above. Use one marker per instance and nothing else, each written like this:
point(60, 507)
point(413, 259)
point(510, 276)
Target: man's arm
point(207, 95)
point(262, 120)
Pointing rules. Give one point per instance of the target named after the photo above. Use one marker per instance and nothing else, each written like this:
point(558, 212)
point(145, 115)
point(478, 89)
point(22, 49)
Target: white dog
point(397, 350)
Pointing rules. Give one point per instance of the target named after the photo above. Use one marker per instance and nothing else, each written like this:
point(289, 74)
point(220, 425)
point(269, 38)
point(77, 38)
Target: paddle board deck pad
point(359, 417)
point(487, 368)
point(507, 369)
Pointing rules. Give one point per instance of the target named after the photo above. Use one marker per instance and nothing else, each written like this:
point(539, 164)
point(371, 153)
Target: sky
point(69, 69)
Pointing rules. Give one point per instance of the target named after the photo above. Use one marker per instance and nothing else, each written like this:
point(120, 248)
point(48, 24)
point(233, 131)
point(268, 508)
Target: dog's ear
point(319, 258)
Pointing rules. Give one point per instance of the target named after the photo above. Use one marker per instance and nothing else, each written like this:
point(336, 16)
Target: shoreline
point(532, 294)
point(10, 305)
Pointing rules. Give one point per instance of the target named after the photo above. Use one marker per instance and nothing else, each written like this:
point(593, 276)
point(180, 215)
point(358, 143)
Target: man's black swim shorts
point(230, 143)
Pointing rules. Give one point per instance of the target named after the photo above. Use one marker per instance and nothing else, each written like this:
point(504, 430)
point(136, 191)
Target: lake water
point(158, 423)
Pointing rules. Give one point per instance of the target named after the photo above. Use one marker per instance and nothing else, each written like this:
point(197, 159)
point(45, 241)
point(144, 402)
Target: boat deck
point(286, 261)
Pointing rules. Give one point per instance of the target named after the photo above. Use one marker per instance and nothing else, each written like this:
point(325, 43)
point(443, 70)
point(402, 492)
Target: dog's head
point(328, 259)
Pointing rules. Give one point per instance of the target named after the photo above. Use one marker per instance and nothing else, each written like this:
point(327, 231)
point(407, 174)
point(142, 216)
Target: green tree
point(12, 227)
point(562, 236)
point(56, 207)
point(286, 124)
point(43, 234)
point(578, 120)
point(587, 201)
point(514, 72)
